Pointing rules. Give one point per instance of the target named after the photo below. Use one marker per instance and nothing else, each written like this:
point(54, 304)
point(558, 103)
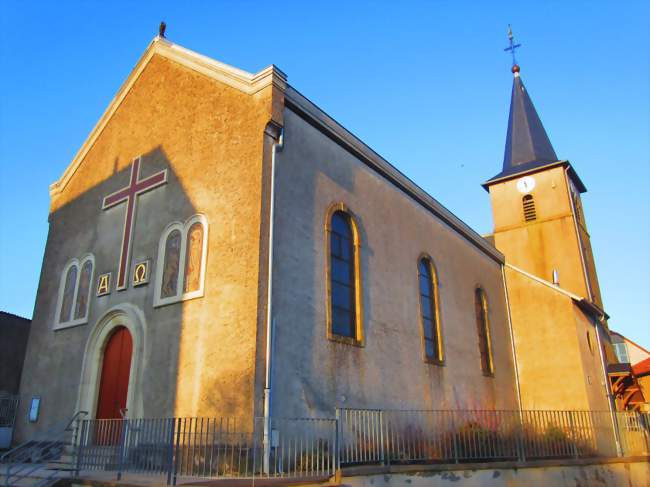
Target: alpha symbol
point(104, 284)
point(130, 195)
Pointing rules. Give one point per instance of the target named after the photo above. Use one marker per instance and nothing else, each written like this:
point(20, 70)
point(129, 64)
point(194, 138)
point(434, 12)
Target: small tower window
point(529, 208)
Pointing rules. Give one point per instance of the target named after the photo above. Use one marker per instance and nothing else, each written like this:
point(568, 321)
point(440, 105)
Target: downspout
point(512, 340)
point(608, 389)
point(277, 147)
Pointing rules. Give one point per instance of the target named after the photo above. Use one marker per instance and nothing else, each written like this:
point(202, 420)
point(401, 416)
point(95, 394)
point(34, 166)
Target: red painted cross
point(129, 194)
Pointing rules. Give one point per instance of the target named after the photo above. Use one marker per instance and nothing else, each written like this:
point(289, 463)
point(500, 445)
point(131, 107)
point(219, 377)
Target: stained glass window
point(483, 328)
point(68, 294)
point(342, 276)
point(193, 257)
point(171, 264)
point(84, 290)
point(429, 309)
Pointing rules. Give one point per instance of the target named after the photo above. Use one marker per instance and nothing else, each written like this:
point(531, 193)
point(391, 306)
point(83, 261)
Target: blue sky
point(427, 85)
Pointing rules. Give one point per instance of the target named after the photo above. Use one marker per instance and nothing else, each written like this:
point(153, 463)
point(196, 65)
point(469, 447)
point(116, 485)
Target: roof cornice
point(335, 131)
point(515, 175)
point(249, 83)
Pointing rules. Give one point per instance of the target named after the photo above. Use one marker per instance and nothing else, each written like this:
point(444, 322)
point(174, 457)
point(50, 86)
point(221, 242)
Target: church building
point(220, 246)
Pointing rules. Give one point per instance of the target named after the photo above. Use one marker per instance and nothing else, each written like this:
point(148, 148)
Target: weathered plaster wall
point(199, 356)
point(313, 375)
point(550, 242)
point(624, 474)
point(557, 367)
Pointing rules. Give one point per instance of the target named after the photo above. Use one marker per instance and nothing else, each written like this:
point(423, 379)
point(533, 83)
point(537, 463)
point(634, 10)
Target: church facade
point(220, 246)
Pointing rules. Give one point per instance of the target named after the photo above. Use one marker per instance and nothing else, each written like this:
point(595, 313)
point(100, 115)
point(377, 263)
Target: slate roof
point(528, 148)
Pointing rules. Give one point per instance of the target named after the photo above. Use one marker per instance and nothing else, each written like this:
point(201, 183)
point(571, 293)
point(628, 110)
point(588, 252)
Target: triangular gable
point(244, 81)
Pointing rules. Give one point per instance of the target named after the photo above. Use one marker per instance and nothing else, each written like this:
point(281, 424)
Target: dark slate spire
point(526, 142)
point(528, 148)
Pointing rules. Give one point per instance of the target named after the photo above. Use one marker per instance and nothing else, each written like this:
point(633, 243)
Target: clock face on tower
point(526, 184)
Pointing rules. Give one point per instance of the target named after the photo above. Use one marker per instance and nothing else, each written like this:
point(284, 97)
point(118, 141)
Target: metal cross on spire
point(512, 46)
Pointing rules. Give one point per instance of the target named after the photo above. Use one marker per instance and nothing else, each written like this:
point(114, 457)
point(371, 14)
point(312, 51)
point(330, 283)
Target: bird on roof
point(161, 29)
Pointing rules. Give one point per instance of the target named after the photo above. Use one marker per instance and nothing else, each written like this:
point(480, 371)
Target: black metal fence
point(8, 409)
point(402, 436)
point(209, 447)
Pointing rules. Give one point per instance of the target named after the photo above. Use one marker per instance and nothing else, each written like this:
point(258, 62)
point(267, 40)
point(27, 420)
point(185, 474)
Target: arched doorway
point(132, 319)
point(115, 373)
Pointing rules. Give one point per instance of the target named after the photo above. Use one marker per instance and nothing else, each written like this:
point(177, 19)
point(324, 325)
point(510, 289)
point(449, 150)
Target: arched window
point(483, 329)
point(74, 292)
point(529, 208)
point(429, 310)
point(83, 290)
point(68, 293)
point(344, 288)
point(171, 261)
point(182, 255)
point(193, 254)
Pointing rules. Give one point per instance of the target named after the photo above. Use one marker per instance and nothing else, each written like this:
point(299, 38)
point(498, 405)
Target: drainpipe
point(277, 147)
point(512, 341)
point(608, 390)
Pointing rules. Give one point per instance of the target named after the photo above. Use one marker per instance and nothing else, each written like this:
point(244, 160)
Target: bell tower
point(536, 203)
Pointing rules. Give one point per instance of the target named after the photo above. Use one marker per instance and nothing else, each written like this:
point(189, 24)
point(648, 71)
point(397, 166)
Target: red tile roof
point(642, 368)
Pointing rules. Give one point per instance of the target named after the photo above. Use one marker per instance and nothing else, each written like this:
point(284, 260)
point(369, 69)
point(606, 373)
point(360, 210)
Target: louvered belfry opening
point(529, 208)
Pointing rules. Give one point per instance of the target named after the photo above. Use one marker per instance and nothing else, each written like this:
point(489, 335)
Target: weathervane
point(512, 48)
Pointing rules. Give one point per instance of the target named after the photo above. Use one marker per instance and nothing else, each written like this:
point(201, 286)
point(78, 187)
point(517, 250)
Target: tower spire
point(527, 144)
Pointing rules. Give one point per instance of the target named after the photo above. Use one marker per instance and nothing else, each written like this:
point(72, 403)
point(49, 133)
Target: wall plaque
point(104, 284)
point(141, 273)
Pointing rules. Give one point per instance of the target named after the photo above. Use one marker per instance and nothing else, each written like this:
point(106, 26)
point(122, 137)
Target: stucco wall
point(550, 242)
point(557, 368)
point(313, 375)
point(198, 356)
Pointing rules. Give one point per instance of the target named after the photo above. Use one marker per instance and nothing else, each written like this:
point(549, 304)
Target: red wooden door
point(114, 383)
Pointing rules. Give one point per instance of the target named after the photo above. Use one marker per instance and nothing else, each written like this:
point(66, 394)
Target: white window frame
point(180, 295)
point(79, 263)
point(617, 347)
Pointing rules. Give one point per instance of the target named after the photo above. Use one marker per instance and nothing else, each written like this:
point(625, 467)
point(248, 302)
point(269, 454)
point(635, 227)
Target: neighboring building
point(631, 376)
point(14, 332)
point(628, 352)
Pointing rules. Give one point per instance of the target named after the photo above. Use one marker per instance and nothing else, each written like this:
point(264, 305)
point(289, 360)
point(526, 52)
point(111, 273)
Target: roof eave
point(572, 173)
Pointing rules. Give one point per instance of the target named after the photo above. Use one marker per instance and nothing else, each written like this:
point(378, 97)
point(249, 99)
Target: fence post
point(382, 439)
point(338, 441)
point(573, 434)
point(78, 448)
point(122, 449)
point(520, 443)
point(644, 422)
point(336, 454)
point(170, 454)
point(454, 436)
point(177, 448)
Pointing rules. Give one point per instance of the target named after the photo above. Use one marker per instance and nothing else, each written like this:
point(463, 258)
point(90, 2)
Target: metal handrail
point(43, 443)
point(46, 433)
